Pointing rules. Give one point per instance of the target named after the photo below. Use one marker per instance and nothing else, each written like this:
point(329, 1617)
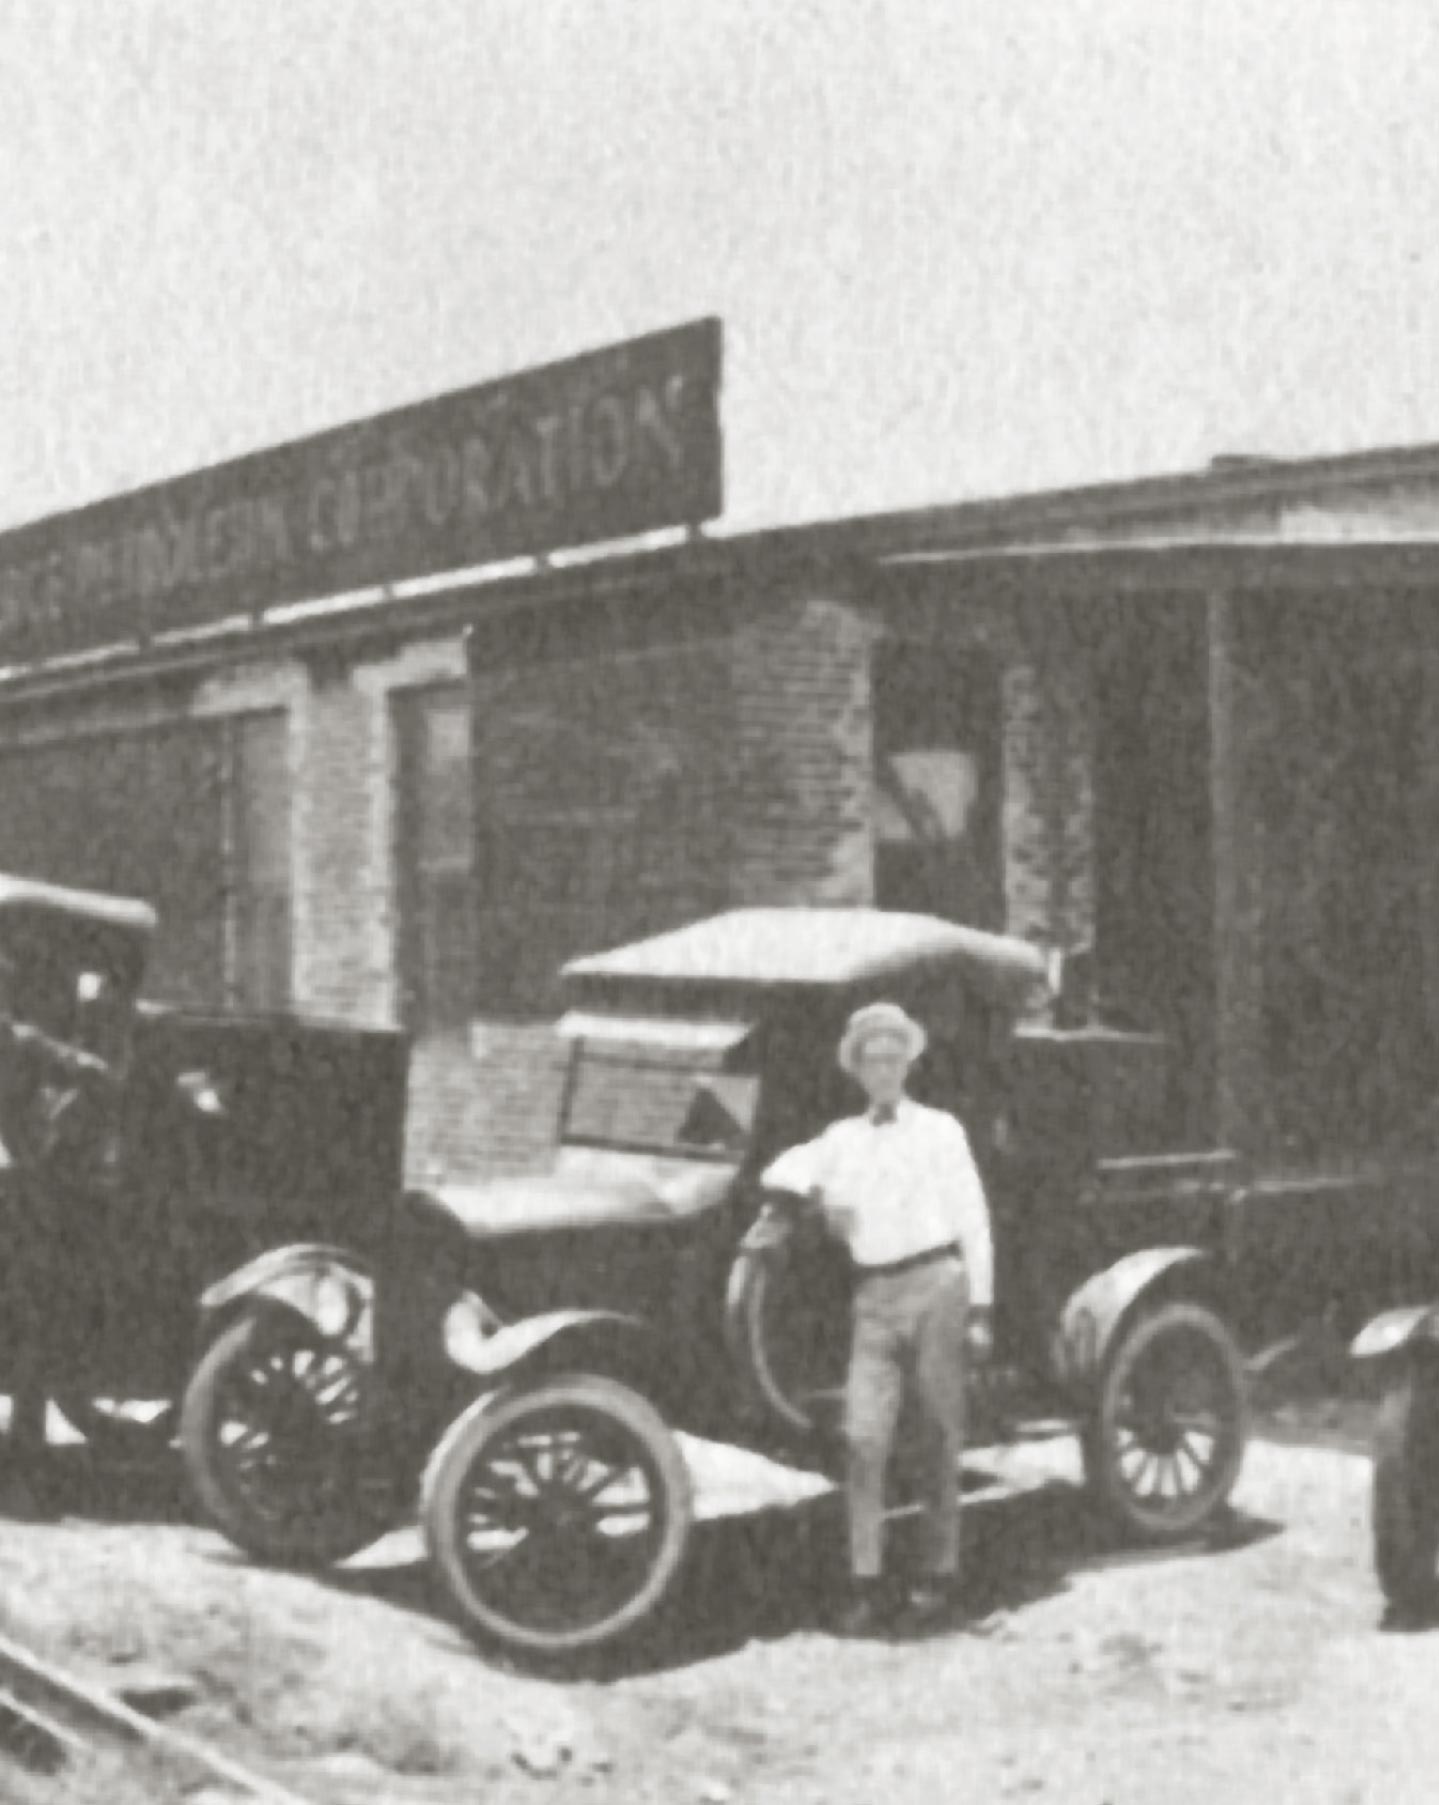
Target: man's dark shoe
point(930, 1606)
point(862, 1613)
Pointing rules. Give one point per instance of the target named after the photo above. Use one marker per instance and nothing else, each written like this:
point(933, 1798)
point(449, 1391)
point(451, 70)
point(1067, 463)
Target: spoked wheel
point(557, 1515)
point(273, 1431)
point(124, 1429)
point(787, 1319)
point(1164, 1450)
point(1405, 1497)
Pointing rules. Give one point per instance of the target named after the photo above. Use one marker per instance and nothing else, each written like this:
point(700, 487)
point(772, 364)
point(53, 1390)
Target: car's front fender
point(1392, 1331)
point(329, 1286)
point(598, 1339)
point(1093, 1315)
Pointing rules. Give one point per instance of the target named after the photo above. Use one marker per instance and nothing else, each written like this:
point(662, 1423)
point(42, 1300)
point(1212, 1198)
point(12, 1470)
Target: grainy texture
point(1250, 1671)
point(728, 769)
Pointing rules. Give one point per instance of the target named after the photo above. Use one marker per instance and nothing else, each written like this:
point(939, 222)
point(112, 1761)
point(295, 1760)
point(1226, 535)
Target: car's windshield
point(657, 1102)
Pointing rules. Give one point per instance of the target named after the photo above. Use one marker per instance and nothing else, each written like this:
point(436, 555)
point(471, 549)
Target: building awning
point(1205, 562)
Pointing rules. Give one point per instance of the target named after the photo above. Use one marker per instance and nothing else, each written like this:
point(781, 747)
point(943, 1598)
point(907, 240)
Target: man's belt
point(950, 1251)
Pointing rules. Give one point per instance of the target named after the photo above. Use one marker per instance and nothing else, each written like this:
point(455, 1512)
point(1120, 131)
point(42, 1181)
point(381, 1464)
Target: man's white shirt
point(897, 1189)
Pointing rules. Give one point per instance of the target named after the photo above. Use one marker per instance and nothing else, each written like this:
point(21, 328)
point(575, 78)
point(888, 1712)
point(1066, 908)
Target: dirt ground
point(1255, 1669)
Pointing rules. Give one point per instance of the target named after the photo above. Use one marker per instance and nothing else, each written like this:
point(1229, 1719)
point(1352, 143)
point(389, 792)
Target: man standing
point(899, 1185)
point(34, 1068)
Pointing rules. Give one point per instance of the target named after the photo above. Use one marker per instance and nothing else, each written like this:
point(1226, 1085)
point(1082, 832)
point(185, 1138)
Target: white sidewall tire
point(465, 1441)
point(1097, 1441)
point(751, 1277)
point(316, 1546)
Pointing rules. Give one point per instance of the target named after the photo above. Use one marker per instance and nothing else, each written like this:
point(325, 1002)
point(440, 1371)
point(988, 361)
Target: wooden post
point(1237, 840)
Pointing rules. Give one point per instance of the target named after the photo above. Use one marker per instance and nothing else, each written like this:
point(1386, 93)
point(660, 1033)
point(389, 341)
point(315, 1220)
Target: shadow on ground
point(778, 1571)
point(73, 1481)
point(1312, 1395)
point(761, 1574)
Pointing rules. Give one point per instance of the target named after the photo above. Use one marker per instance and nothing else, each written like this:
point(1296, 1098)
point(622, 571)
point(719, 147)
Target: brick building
point(409, 801)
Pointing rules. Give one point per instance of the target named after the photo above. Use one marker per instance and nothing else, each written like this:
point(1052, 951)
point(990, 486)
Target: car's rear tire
point(1163, 1450)
point(539, 1552)
point(1405, 1490)
point(272, 1435)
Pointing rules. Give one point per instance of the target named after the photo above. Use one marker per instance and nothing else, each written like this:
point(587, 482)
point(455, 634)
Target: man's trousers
point(909, 1342)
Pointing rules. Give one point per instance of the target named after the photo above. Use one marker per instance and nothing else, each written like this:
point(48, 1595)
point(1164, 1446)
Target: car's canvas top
point(816, 947)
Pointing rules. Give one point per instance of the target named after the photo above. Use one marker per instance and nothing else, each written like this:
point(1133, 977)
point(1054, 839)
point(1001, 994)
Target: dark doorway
point(191, 816)
point(1339, 750)
point(1154, 889)
point(938, 754)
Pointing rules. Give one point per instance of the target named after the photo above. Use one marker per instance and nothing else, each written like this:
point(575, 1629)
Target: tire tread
point(463, 1441)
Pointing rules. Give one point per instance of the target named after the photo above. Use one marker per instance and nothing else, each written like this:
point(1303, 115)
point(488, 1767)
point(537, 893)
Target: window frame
point(245, 899)
point(418, 964)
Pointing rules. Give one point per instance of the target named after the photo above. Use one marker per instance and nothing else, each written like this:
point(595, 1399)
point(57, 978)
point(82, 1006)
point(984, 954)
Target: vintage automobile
point(1402, 1346)
point(223, 1136)
point(648, 1284)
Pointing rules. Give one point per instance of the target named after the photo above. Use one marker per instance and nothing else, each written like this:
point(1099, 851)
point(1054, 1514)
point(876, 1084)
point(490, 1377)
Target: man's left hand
point(979, 1334)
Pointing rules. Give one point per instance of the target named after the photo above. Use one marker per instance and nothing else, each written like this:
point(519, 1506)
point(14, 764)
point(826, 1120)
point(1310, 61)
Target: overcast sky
point(960, 246)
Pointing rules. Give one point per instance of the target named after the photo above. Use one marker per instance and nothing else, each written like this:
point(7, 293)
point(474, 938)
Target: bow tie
point(883, 1115)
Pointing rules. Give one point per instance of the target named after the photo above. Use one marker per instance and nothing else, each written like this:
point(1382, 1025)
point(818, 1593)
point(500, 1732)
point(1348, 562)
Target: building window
point(434, 856)
point(937, 778)
point(606, 787)
point(194, 817)
point(259, 790)
point(558, 884)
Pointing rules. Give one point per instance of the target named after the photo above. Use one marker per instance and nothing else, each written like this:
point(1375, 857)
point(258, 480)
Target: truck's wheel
point(557, 1515)
point(787, 1329)
point(1405, 1496)
point(271, 1430)
point(1164, 1448)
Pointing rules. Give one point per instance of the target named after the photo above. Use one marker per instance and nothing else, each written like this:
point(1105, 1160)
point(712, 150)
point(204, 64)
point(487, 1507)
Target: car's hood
point(588, 1192)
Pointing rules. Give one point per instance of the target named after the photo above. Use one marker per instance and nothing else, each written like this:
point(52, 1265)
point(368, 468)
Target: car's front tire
point(1163, 1450)
point(272, 1435)
point(1405, 1490)
point(787, 1331)
point(557, 1515)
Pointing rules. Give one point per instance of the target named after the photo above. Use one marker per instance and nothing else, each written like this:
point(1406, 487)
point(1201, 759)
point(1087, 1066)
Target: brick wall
point(767, 733)
point(1026, 829)
point(478, 1105)
point(603, 807)
point(802, 795)
point(773, 729)
point(342, 919)
point(1048, 803)
point(486, 1104)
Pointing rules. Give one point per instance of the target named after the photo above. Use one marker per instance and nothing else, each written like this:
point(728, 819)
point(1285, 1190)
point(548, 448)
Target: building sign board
point(602, 446)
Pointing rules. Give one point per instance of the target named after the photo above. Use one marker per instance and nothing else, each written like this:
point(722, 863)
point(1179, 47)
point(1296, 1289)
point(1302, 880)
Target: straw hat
point(880, 1018)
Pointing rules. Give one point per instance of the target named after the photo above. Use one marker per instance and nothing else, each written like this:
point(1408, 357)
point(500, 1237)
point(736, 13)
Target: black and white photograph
point(719, 902)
